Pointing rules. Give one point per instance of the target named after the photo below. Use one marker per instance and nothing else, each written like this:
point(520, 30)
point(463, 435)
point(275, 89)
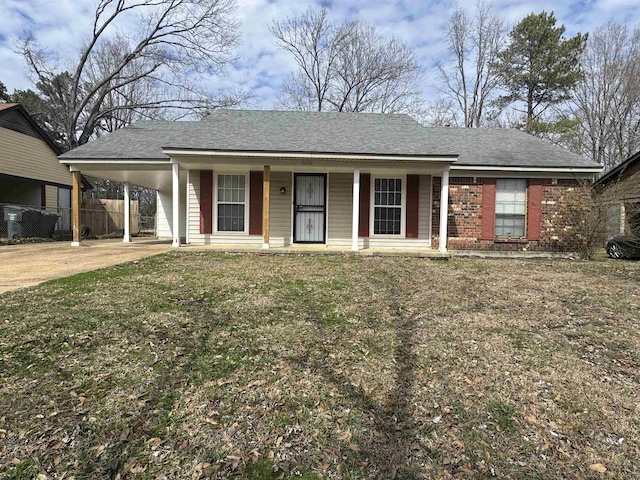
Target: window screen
point(387, 204)
point(231, 203)
point(511, 207)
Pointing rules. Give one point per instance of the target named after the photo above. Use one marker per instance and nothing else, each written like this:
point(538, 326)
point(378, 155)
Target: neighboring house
point(623, 185)
point(30, 173)
point(271, 178)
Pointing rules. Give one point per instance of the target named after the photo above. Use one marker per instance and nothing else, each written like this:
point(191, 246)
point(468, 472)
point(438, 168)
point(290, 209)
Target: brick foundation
point(465, 217)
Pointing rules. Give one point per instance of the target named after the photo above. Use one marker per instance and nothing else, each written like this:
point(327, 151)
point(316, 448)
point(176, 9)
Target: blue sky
point(61, 25)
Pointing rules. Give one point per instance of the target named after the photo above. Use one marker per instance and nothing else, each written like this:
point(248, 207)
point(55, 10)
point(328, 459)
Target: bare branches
point(440, 113)
point(315, 44)
point(471, 77)
point(346, 67)
point(607, 100)
point(152, 67)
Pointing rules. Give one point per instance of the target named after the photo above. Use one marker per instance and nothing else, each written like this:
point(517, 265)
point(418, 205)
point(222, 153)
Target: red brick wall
point(464, 224)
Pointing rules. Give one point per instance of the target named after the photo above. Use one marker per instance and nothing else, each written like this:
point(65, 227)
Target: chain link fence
point(26, 221)
point(19, 222)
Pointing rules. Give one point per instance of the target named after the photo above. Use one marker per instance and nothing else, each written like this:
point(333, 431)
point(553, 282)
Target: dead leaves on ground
point(357, 397)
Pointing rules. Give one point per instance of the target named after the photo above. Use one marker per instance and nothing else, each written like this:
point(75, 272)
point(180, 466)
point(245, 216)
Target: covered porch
point(289, 203)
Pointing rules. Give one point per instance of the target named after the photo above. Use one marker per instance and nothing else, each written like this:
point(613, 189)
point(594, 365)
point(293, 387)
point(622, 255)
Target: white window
point(387, 206)
point(231, 204)
point(511, 207)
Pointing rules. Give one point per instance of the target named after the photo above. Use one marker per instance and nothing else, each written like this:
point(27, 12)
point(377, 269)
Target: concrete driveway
point(30, 264)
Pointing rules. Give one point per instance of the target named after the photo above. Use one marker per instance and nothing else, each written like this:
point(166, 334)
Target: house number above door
point(307, 161)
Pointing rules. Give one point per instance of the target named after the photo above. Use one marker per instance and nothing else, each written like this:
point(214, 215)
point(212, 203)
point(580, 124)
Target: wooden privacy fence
point(104, 217)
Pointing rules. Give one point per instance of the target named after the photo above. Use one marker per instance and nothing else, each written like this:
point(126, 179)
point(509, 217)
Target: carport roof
point(327, 133)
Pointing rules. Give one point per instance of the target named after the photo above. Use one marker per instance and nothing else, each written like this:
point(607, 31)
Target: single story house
point(30, 173)
point(623, 186)
point(348, 180)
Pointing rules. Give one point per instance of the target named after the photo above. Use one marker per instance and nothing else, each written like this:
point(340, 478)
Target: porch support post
point(186, 216)
point(444, 207)
point(175, 214)
point(127, 213)
point(266, 183)
point(76, 205)
point(356, 209)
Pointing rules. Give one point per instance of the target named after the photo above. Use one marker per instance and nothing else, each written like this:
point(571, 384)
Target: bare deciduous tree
point(607, 101)
point(471, 77)
point(591, 214)
point(374, 74)
point(440, 113)
point(346, 68)
point(314, 42)
point(149, 68)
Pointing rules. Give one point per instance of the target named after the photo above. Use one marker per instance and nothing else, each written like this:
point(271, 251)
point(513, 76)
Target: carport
point(160, 175)
point(134, 156)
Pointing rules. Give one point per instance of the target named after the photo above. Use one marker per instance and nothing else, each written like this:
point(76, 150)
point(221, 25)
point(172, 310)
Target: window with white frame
point(387, 206)
point(511, 207)
point(231, 203)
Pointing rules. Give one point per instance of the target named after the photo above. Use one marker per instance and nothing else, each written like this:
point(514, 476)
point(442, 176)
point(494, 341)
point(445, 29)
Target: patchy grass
point(265, 367)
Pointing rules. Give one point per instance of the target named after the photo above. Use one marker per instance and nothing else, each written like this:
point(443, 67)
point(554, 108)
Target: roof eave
point(449, 158)
point(619, 170)
point(527, 169)
point(123, 161)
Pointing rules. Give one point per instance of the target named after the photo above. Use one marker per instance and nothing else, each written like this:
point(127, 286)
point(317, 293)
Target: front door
point(309, 208)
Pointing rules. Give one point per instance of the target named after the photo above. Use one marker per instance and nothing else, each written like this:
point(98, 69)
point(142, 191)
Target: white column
point(444, 208)
point(356, 209)
point(186, 217)
point(127, 213)
point(175, 214)
point(266, 206)
point(76, 208)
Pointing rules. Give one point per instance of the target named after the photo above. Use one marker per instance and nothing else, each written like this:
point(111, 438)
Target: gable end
point(13, 120)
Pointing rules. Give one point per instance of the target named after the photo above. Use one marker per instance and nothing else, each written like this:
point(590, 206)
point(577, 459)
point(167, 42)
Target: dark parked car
point(624, 247)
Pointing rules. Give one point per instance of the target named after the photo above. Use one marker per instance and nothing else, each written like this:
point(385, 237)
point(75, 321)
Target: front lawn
point(196, 365)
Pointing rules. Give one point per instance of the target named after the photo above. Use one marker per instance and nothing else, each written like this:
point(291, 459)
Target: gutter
point(528, 169)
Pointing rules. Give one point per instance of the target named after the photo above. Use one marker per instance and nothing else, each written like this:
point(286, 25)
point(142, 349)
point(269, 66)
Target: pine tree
point(540, 67)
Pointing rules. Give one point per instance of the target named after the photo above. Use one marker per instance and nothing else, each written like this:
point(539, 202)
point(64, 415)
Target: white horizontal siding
point(183, 210)
point(280, 230)
point(424, 208)
point(339, 213)
point(280, 209)
point(193, 220)
point(164, 217)
point(340, 206)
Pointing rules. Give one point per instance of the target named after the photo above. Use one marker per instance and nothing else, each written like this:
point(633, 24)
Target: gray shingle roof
point(503, 147)
point(346, 133)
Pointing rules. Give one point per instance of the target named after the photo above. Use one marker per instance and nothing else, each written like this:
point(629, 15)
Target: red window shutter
point(43, 196)
point(255, 202)
point(413, 191)
point(365, 204)
point(534, 208)
point(206, 201)
point(488, 209)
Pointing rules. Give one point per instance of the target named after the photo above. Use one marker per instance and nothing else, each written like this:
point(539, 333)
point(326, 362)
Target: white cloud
point(62, 25)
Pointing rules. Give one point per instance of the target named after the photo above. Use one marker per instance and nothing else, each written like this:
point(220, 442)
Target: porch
point(365, 204)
